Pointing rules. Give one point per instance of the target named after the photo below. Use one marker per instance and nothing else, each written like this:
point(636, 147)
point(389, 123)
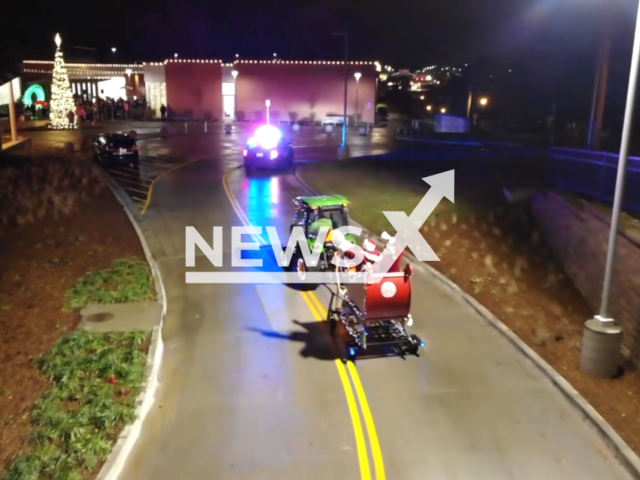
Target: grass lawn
point(492, 250)
point(373, 184)
point(126, 280)
point(96, 378)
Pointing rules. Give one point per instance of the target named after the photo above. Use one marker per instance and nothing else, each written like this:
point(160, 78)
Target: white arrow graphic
point(442, 186)
point(408, 227)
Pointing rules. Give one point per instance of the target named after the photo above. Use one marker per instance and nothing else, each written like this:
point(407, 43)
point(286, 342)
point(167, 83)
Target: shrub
point(46, 182)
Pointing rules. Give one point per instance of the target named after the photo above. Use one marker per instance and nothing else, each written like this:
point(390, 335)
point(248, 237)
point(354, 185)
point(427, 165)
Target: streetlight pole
point(357, 75)
point(602, 338)
point(343, 151)
point(234, 73)
point(267, 104)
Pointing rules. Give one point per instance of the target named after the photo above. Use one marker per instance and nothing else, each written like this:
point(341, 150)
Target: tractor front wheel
point(299, 266)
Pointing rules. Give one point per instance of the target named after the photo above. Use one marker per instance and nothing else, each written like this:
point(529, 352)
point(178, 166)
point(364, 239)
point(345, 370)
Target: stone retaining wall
point(578, 236)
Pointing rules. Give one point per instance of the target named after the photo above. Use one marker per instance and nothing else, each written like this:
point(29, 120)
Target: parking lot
point(160, 156)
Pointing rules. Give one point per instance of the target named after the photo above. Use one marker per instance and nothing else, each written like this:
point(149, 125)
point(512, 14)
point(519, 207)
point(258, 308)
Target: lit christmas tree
point(61, 95)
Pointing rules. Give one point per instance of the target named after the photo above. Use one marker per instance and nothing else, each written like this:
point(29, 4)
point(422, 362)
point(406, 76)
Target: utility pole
point(599, 93)
point(470, 98)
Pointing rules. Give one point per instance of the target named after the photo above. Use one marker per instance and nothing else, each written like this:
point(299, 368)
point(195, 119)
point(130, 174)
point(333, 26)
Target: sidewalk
point(8, 144)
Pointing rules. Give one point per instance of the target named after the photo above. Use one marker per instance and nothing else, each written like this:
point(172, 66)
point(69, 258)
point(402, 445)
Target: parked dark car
point(116, 148)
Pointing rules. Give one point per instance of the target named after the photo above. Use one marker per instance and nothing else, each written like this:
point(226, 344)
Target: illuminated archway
point(33, 89)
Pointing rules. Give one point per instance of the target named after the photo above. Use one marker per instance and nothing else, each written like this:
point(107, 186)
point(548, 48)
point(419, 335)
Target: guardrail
point(593, 174)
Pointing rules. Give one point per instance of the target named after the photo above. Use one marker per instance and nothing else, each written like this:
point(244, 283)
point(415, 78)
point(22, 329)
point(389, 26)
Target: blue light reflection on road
point(262, 199)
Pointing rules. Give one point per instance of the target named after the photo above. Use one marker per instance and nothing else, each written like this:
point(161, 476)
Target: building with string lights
point(213, 90)
point(88, 80)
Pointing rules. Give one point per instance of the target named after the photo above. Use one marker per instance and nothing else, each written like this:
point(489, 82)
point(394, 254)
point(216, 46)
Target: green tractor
point(312, 214)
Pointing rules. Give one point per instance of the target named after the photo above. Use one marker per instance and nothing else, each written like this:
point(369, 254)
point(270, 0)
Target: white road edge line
point(618, 447)
point(127, 439)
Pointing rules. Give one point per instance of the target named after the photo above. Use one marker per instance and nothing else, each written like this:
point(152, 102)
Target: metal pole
point(594, 103)
point(267, 104)
point(346, 82)
point(12, 114)
point(622, 170)
point(470, 98)
point(606, 56)
point(357, 106)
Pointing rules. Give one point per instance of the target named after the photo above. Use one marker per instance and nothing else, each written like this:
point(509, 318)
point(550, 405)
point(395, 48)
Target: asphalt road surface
point(251, 387)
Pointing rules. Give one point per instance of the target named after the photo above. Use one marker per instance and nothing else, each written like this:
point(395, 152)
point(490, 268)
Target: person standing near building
point(163, 112)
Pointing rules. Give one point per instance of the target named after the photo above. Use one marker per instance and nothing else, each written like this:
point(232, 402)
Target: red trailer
point(376, 312)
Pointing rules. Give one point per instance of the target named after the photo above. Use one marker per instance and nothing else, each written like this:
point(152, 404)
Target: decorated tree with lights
point(61, 95)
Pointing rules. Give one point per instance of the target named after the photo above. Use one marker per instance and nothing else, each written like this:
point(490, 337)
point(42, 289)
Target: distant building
point(210, 89)
point(88, 80)
point(297, 90)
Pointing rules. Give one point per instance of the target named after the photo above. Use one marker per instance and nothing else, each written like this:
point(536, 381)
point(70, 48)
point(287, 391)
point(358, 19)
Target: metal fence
point(593, 174)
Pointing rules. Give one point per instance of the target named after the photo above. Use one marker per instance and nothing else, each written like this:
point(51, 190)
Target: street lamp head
point(175, 55)
point(58, 39)
point(234, 73)
point(484, 101)
point(429, 108)
point(113, 49)
point(357, 75)
point(443, 110)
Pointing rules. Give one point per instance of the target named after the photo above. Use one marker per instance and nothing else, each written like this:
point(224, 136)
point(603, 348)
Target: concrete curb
point(127, 439)
point(620, 449)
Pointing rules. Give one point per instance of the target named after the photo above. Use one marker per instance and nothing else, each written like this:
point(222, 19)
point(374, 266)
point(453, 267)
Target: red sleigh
point(377, 312)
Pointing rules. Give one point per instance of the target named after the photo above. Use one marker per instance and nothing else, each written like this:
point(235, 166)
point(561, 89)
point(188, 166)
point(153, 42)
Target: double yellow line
point(348, 375)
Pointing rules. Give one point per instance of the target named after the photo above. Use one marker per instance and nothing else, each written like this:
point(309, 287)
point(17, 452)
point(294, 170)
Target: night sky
point(554, 41)
point(410, 33)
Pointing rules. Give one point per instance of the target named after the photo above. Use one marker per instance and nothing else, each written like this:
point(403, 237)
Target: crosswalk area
point(155, 161)
point(137, 181)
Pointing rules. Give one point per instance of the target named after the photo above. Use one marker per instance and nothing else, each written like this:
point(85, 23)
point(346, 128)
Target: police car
point(267, 149)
